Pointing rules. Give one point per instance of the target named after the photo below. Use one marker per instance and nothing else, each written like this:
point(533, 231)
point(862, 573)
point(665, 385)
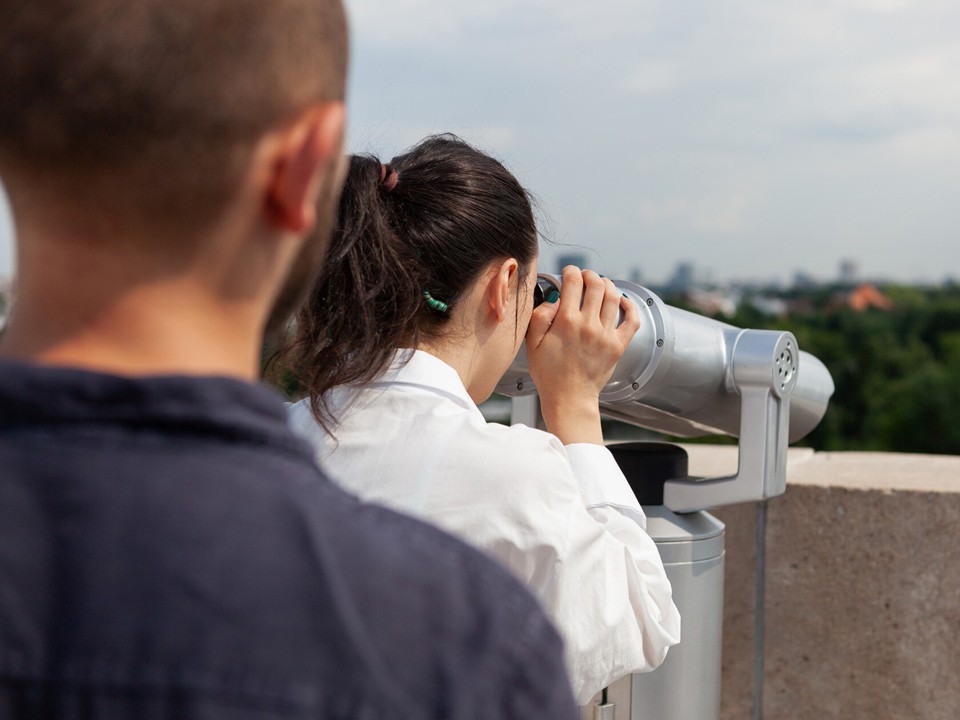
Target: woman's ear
point(501, 286)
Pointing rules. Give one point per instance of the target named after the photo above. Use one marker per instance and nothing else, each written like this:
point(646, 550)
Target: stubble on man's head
point(151, 109)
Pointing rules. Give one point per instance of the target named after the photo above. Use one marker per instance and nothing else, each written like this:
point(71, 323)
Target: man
point(167, 548)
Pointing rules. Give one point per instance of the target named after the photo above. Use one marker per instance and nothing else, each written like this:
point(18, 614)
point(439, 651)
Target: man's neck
point(137, 306)
point(164, 327)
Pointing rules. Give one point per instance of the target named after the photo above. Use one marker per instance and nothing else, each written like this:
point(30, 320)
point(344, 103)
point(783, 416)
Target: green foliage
point(275, 373)
point(897, 373)
point(4, 309)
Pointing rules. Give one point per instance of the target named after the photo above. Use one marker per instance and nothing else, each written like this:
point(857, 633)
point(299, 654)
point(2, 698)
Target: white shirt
point(563, 519)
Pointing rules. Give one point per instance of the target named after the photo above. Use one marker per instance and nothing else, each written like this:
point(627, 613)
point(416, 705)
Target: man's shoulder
point(458, 588)
point(434, 602)
point(422, 615)
point(222, 561)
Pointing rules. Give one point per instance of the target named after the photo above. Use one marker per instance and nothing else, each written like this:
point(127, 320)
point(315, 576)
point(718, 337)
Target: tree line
point(897, 371)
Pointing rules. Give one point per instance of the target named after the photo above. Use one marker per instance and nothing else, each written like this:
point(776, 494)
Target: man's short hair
point(157, 104)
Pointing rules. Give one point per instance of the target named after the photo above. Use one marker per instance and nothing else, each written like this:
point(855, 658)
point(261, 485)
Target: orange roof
point(867, 296)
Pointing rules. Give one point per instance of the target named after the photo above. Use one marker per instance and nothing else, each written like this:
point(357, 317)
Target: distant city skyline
point(754, 140)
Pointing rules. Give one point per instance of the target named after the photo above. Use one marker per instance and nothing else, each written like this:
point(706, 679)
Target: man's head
point(166, 156)
point(150, 109)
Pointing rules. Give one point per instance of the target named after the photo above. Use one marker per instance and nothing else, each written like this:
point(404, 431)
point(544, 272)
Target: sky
point(752, 138)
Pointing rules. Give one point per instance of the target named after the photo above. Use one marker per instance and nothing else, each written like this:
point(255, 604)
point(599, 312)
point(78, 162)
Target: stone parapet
point(862, 616)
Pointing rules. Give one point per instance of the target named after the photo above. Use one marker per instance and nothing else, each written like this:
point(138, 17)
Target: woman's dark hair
point(411, 237)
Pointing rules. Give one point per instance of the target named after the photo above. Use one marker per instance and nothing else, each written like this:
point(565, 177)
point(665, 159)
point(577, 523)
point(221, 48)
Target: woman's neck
point(466, 358)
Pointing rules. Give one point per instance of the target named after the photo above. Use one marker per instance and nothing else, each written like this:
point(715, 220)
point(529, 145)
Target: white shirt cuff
point(601, 480)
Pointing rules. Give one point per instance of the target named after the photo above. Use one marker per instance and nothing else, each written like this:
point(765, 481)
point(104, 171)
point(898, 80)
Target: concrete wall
point(862, 589)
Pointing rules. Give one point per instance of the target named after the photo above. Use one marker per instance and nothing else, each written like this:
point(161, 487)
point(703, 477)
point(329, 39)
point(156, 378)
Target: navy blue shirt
point(169, 549)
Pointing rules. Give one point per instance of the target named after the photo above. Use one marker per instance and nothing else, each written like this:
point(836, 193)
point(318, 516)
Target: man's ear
point(304, 154)
point(500, 285)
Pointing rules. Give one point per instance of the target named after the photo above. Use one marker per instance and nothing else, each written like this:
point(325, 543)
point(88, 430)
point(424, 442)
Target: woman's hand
point(572, 349)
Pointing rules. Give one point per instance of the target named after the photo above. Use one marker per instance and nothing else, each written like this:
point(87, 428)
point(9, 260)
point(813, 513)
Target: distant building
point(803, 281)
point(867, 296)
point(578, 259)
point(712, 302)
point(683, 278)
point(770, 305)
point(849, 272)
point(636, 276)
point(802, 305)
point(863, 297)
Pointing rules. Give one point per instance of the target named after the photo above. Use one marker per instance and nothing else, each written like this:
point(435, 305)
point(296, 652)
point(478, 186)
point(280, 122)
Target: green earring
point(435, 304)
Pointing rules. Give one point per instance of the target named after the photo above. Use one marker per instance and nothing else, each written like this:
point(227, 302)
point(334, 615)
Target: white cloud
point(403, 21)
point(917, 79)
point(718, 211)
point(831, 126)
point(651, 78)
point(434, 21)
point(939, 145)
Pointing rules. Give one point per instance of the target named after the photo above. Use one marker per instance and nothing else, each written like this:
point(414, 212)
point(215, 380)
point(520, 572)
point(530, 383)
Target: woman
point(425, 297)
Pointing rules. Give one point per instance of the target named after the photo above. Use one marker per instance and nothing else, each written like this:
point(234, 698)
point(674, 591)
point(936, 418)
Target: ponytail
point(411, 236)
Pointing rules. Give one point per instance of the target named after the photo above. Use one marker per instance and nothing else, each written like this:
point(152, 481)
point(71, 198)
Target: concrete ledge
point(862, 591)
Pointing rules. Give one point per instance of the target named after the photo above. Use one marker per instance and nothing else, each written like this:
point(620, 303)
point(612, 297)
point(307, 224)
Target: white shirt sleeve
point(602, 482)
point(608, 593)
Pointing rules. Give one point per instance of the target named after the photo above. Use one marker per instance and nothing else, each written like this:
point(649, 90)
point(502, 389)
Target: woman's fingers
point(594, 289)
point(611, 305)
point(571, 290)
point(631, 320)
point(585, 296)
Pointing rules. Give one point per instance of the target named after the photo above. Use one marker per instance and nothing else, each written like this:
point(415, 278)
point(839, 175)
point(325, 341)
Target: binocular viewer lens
point(545, 291)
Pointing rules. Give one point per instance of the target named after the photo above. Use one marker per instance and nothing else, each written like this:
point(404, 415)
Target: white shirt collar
point(421, 369)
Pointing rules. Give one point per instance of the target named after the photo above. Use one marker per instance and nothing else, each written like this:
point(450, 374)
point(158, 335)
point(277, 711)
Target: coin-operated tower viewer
point(687, 375)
